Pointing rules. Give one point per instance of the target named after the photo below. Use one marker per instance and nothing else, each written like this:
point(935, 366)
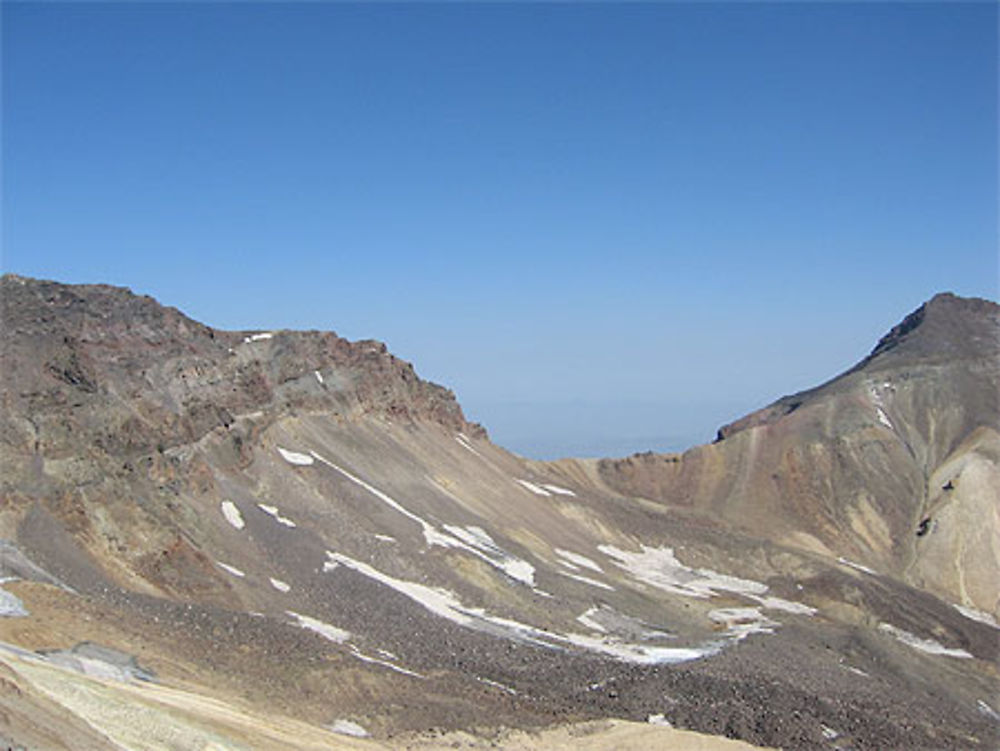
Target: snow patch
point(385, 538)
point(536, 489)
point(658, 567)
point(987, 710)
point(577, 560)
point(587, 620)
point(505, 689)
point(319, 376)
point(445, 604)
point(856, 671)
point(588, 580)
point(473, 540)
point(641, 654)
point(332, 633)
point(346, 727)
point(463, 441)
point(279, 585)
point(293, 457)
point(479, 543)
point(843, 561)
point(829, 733)
point(355, 652)
point(557, 490)
point(977, 615)
point(231, 569)
point(876, 398)
point(431, 535)
point(273, 511)
point(257, 337)
point(924, 645)
point(659, 719)
point(11, 605)
point(232, 514)
point(437, 600)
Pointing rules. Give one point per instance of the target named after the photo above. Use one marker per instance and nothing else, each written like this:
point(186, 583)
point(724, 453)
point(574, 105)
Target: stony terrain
point(230, 540)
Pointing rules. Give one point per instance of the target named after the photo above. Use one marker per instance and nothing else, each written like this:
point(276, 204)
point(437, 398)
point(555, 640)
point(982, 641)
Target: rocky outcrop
point(99, 364)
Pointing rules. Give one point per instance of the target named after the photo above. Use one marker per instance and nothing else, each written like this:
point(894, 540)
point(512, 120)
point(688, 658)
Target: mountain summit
point(277, 539)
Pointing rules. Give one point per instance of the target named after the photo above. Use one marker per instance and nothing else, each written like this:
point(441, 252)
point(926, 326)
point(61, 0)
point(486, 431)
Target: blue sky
point(608, 227)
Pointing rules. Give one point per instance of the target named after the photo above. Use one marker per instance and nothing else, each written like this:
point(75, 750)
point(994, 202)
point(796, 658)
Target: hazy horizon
point(602, 225)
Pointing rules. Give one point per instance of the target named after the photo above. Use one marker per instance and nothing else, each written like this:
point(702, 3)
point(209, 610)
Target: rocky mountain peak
point(945, 326)
point(946, 329)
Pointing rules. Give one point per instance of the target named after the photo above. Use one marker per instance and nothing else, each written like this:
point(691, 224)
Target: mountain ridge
point(299, 524)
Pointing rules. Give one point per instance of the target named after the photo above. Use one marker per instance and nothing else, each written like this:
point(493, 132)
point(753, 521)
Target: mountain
point(277, 539)
point(893, 464)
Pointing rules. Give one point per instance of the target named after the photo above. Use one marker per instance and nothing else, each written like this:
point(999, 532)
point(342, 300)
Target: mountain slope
point(893, 463)
point(298, 524)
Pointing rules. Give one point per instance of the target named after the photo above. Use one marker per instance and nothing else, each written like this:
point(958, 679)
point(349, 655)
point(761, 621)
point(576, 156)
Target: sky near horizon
point(608, 227)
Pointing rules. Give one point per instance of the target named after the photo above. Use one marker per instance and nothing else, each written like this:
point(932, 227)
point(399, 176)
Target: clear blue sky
point(608, 227)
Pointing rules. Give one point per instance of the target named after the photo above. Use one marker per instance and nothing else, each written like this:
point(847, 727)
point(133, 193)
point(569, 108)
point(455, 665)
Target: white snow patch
point(876, 397)
point(987, 710)
point(273, 511)
point(659, 719)
point(231, 569)
point(588, 580)
point(385, 538)
point(924, 645)
point(257, 337)
point(659, 568)
point(478, 542)
point(829, 733)
point(279, 585)
point(232, 514)
point(384, 663)
point(488, 682)
point(319, 376)
point(536, 489)
point(641, 654)
point(977, 615)
point(857, 566)
point(463, 441)
point(293, 457)
point(346, 727)
point(443, 603)
point(578, 560)
point(431, 535)
point(11, 605)
point(473, 540)
point(332, 633)
point(437, 600)
point(557, 490)
point(856, 671)
point(587, 620)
